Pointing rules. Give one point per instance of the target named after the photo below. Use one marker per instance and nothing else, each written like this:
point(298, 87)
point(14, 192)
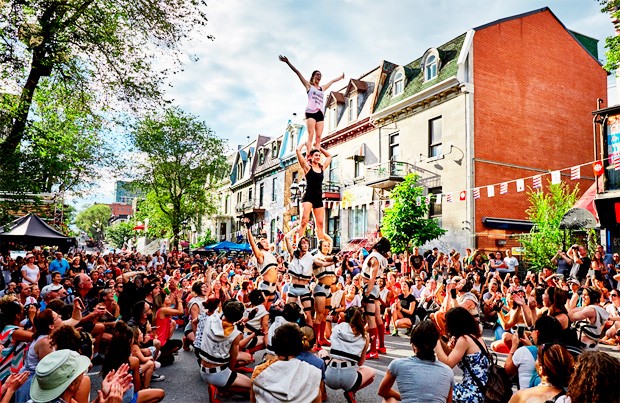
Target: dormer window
point(240, 170)
point(399, 83)
point(274, 150)
point(261, 156)
point(431, 64)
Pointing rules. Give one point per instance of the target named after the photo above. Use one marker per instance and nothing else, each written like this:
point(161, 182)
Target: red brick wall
point(535, 89)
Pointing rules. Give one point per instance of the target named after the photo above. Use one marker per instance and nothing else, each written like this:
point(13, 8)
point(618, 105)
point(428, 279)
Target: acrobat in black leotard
point(314, 189)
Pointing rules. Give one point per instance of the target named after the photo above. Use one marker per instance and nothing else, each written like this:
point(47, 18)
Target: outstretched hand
point(283, 58)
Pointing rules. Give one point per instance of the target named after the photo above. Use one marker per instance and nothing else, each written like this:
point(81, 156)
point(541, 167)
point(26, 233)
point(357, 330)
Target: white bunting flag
point(418, 201)
point(438, 198)
point(556, 177)
point(490, 191)
point(520, 185)
point(476, 193)
point(428, 199)
point(537, 182)
point(575, 173)
point(449, 198)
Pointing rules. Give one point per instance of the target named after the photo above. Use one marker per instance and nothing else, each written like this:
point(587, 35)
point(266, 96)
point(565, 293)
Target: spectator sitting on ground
point(595, 379)
point(287, 378)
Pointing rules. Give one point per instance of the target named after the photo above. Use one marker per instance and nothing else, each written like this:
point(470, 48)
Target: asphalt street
point(183, 383)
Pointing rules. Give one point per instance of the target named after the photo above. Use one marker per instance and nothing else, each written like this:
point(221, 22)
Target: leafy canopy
point(94, 220)
point(612, 43)
point(182, 163)
point(546, 212)
point(405, 223)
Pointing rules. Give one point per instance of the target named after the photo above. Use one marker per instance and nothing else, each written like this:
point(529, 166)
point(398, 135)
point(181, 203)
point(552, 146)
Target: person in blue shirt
point(59, 264)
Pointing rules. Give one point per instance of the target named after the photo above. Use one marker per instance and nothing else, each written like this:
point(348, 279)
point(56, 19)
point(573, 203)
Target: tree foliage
point(118, 233)
point(405, 223)
point(612, 43)
point(546, 211)
point(183, 161)
point(94, 220)
point(107, 46)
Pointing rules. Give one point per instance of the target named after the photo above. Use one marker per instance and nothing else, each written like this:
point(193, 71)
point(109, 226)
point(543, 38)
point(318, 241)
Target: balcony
point(331, 191)
point(388, 174)
point(247, 207)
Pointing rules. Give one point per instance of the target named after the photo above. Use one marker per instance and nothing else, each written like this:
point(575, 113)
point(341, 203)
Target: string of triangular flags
point(537, 183)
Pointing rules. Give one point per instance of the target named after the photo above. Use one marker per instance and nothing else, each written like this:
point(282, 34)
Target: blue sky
point(240, 88)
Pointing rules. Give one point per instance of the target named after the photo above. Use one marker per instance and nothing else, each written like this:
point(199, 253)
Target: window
point(273, 189)
point(357, 222)
point(261, 156)
point(274, 231)
point(333, 225)
point(434, 135)
point(226, 203)
point(239, 198)
point(333, 170)
point(434, 209)
point(399, 83)
point(394, 147)
point(333, 117)
point(430, 67)
point(291, 140)
point(239, 170)
point(274, 150)
point(352, 109)
point(261, 193)
point(359, 168)
point(250, 194)
point(295, 177)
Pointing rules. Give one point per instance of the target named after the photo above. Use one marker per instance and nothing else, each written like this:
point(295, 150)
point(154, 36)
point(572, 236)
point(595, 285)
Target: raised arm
point(257, 252)
point(300, 157)
point(287, 240)
point(329, 83)
point(301, 77)
point(328, 158)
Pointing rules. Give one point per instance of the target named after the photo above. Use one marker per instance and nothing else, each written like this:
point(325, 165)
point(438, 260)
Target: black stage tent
point(30, 231)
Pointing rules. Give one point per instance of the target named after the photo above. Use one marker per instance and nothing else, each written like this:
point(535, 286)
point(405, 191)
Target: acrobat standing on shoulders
point(314, 110)
point(312, 200)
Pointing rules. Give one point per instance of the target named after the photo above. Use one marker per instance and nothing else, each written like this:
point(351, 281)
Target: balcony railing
point(387, 174)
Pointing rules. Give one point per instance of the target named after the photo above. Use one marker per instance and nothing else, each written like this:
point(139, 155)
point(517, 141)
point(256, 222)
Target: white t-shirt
point(32, 273)
point(417, 293)
point(525, 363)
point(511, 262)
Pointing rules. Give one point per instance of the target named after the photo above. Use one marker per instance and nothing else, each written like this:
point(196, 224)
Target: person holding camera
point(581, 262)
point(563, 263)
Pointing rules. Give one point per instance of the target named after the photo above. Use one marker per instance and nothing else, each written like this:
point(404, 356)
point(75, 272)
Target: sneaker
point(244, 369)
point(316, 348)
point(395, 332)
point(325, 343)
point(372, 356)
point(214, 394)
point(381, 350)
point(157, 378)
point(157, 365)
point(408, 332)
point(350, 396)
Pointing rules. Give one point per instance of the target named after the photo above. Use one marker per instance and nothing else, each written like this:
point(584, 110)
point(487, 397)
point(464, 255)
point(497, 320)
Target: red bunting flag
point(598, 168)
point(503, 188)
point(575, 173)
point(615, 160)
point(449, 198)
point(463, 195)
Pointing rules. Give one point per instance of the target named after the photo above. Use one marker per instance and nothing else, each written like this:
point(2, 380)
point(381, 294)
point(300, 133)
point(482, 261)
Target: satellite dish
point(578, 218)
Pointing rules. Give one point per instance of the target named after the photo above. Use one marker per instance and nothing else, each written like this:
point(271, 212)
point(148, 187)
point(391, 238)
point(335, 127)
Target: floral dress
point(468, 391)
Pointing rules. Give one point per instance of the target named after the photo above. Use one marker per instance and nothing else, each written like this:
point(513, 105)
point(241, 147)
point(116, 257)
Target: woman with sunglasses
point(349, 343)
point(592, 317)
point(612, 335)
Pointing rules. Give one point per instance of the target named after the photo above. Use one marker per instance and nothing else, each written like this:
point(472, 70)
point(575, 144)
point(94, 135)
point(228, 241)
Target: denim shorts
point(341, 378)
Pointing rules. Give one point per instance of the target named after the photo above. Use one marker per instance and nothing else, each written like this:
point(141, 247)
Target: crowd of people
point(284, 327)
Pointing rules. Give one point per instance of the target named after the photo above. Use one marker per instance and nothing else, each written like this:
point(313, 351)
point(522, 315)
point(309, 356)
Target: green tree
point(118, 233)
point(612, 43)
point(108, 46)
point(546, 211)
point(94, 220)
point(183, 161)
point(405, 223)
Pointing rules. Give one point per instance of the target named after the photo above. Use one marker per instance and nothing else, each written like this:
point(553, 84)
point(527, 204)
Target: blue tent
point(226, 246)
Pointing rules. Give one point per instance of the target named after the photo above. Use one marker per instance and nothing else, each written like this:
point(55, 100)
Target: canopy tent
point(31, 231)
point(224, 246)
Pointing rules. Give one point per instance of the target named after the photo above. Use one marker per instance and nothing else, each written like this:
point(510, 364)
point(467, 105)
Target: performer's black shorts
point(316, 200)
point(318, 116)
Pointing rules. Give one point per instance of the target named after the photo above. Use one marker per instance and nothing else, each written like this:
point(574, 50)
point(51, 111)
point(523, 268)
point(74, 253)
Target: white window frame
point(394, 145)
point(399, 84)
point(273, 189)
point(435, 145)
point(430, 67)
point(352, 105)
point(333, 117)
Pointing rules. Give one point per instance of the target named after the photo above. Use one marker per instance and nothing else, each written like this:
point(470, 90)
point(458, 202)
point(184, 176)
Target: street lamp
point(297, 190)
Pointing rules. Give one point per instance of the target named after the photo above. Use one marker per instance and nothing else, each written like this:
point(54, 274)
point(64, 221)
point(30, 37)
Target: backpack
point(499, 385)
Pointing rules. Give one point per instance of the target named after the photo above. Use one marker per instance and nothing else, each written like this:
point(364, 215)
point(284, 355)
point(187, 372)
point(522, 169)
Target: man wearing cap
point(59, 264)
point(51, 292)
